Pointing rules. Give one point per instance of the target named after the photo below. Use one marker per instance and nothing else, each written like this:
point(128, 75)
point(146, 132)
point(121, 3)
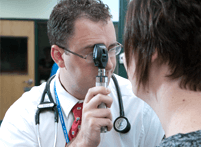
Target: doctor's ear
point(56, 54)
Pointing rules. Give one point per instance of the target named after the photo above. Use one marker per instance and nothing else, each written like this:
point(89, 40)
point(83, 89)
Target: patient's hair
point(60, 25)
point(172, 29)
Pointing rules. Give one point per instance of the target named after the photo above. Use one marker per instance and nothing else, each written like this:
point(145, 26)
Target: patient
point(163, 61)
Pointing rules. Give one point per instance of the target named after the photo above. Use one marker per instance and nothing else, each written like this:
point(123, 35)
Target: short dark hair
point(60, 25)
point(170, 27)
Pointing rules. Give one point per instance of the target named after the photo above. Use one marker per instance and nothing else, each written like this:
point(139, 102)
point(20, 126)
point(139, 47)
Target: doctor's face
point(79, 74)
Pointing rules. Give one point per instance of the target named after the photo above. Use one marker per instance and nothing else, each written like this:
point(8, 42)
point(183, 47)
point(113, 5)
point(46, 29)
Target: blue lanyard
point(61, 115)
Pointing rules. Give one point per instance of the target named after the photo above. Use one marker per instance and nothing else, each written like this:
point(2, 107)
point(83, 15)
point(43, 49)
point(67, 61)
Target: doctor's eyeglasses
point(114, 51)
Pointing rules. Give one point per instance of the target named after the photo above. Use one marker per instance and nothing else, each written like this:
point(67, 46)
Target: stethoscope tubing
point(121, 107)
point(53, 108)
point(37, 133)
point(55, 135)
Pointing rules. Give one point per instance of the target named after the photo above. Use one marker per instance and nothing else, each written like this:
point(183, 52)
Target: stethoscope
point(121, 123)
point(47, 106)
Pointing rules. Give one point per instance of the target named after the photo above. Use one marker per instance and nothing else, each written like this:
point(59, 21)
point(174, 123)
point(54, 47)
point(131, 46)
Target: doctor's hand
point(93, 118)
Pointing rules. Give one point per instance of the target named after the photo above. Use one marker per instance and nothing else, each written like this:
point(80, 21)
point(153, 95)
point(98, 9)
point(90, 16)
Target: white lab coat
point(18, 128)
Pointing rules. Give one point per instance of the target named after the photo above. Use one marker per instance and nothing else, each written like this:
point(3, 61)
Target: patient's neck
point(179, 110)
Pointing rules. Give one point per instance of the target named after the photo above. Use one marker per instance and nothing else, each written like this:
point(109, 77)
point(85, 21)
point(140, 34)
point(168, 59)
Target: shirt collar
point(66, 100)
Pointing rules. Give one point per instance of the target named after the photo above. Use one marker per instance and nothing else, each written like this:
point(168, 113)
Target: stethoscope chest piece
point(122, 125)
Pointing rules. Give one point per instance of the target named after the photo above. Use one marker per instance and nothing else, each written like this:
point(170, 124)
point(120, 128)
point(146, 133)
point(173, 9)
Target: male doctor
point(74, 28)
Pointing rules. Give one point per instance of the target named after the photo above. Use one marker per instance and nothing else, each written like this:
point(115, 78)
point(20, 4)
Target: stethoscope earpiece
point(121, 124)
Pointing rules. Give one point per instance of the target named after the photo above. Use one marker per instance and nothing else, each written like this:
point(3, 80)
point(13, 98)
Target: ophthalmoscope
point(100, 57)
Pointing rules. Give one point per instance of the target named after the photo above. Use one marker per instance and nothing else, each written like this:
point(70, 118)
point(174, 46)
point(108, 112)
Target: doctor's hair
point(61, 23)
point(170, 28)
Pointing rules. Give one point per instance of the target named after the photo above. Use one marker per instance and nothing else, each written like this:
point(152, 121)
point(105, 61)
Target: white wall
point(36, 9)
point(114, 8)
point(41, 9)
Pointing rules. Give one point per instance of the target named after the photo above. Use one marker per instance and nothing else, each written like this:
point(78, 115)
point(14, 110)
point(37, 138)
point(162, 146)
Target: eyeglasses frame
point(85, 57)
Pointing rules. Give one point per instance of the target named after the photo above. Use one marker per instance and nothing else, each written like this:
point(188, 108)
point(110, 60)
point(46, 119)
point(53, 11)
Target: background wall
point(41, 9)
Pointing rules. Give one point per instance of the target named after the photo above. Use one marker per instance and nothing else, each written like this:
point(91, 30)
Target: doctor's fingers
point(94, 91)
point(95, 124)
point(97, 100)
point(104, 113)
point(105, 122)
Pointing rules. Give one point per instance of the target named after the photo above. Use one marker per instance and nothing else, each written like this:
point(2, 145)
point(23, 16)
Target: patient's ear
point(56, 54)
point(124, 60)
point(154, 56)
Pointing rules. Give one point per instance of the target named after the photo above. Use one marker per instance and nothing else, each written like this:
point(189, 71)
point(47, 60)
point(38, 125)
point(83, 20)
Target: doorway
point(17, 62)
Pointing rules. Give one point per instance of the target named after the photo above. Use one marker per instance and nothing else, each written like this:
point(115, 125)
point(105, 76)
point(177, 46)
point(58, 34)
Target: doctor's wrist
point(78, 141)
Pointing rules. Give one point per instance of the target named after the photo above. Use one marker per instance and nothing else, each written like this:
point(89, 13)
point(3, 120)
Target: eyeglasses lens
point(111, 53)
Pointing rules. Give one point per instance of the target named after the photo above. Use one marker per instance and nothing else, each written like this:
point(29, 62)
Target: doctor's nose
point(111, 63)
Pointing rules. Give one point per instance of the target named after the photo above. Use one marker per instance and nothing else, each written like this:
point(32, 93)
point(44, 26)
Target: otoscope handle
point(103, 129)
point(102, 81)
